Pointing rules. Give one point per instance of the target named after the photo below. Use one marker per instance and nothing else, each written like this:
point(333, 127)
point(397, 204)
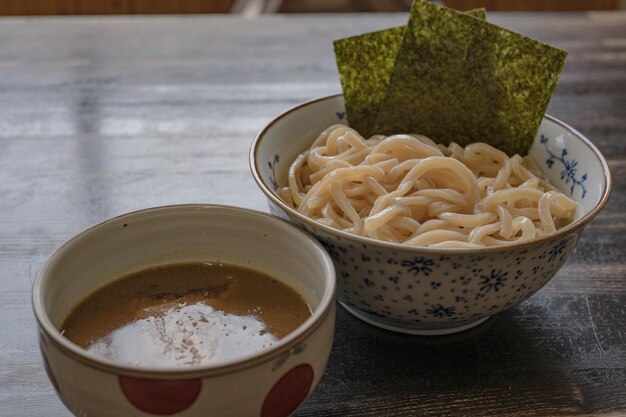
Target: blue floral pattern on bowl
point(570, 167)
point(272, 164)
point(427, 288)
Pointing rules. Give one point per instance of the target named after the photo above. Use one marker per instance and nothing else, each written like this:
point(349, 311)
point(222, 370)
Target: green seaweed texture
point(365, 64)
point(461, 79)
point(451, 76)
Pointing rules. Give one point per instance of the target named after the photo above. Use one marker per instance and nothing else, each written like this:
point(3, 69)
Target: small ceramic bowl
point(424, 290)
point(272, 382)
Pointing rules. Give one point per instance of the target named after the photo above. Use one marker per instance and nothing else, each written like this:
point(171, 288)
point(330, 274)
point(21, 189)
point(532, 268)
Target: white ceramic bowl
point(425, 290)
point(272, 382)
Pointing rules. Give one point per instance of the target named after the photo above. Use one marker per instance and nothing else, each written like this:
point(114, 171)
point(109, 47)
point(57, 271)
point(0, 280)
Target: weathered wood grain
point(100, 116)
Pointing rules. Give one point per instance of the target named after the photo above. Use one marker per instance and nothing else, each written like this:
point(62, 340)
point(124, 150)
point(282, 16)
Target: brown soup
point(186, 314)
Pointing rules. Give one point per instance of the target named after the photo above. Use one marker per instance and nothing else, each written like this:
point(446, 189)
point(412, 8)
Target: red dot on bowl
point(289, 392)
point(160, 397)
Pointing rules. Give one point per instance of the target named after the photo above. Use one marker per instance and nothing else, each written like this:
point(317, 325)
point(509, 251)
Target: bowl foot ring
point(419, 329)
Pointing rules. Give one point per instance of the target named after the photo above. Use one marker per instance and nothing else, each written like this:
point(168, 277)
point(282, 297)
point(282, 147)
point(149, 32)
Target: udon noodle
point(408, 189)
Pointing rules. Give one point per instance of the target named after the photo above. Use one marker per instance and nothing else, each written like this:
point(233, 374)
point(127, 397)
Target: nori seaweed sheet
point(461, 79)
point(365, 64)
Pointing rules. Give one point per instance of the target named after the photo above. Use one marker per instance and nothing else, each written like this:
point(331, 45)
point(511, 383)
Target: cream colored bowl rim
point(248, 361)
point(369, 242)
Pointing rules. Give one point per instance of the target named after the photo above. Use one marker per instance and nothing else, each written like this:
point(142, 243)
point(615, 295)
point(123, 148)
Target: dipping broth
point(186, 314)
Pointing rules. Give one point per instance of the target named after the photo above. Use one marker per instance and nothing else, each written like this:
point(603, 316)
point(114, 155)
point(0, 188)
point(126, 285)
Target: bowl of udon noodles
point(429, 238)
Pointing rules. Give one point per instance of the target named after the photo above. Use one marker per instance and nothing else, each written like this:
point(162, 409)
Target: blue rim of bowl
point(247, 361)
point(565, 231)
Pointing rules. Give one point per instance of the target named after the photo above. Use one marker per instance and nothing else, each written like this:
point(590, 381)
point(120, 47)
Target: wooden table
point(100, 116)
